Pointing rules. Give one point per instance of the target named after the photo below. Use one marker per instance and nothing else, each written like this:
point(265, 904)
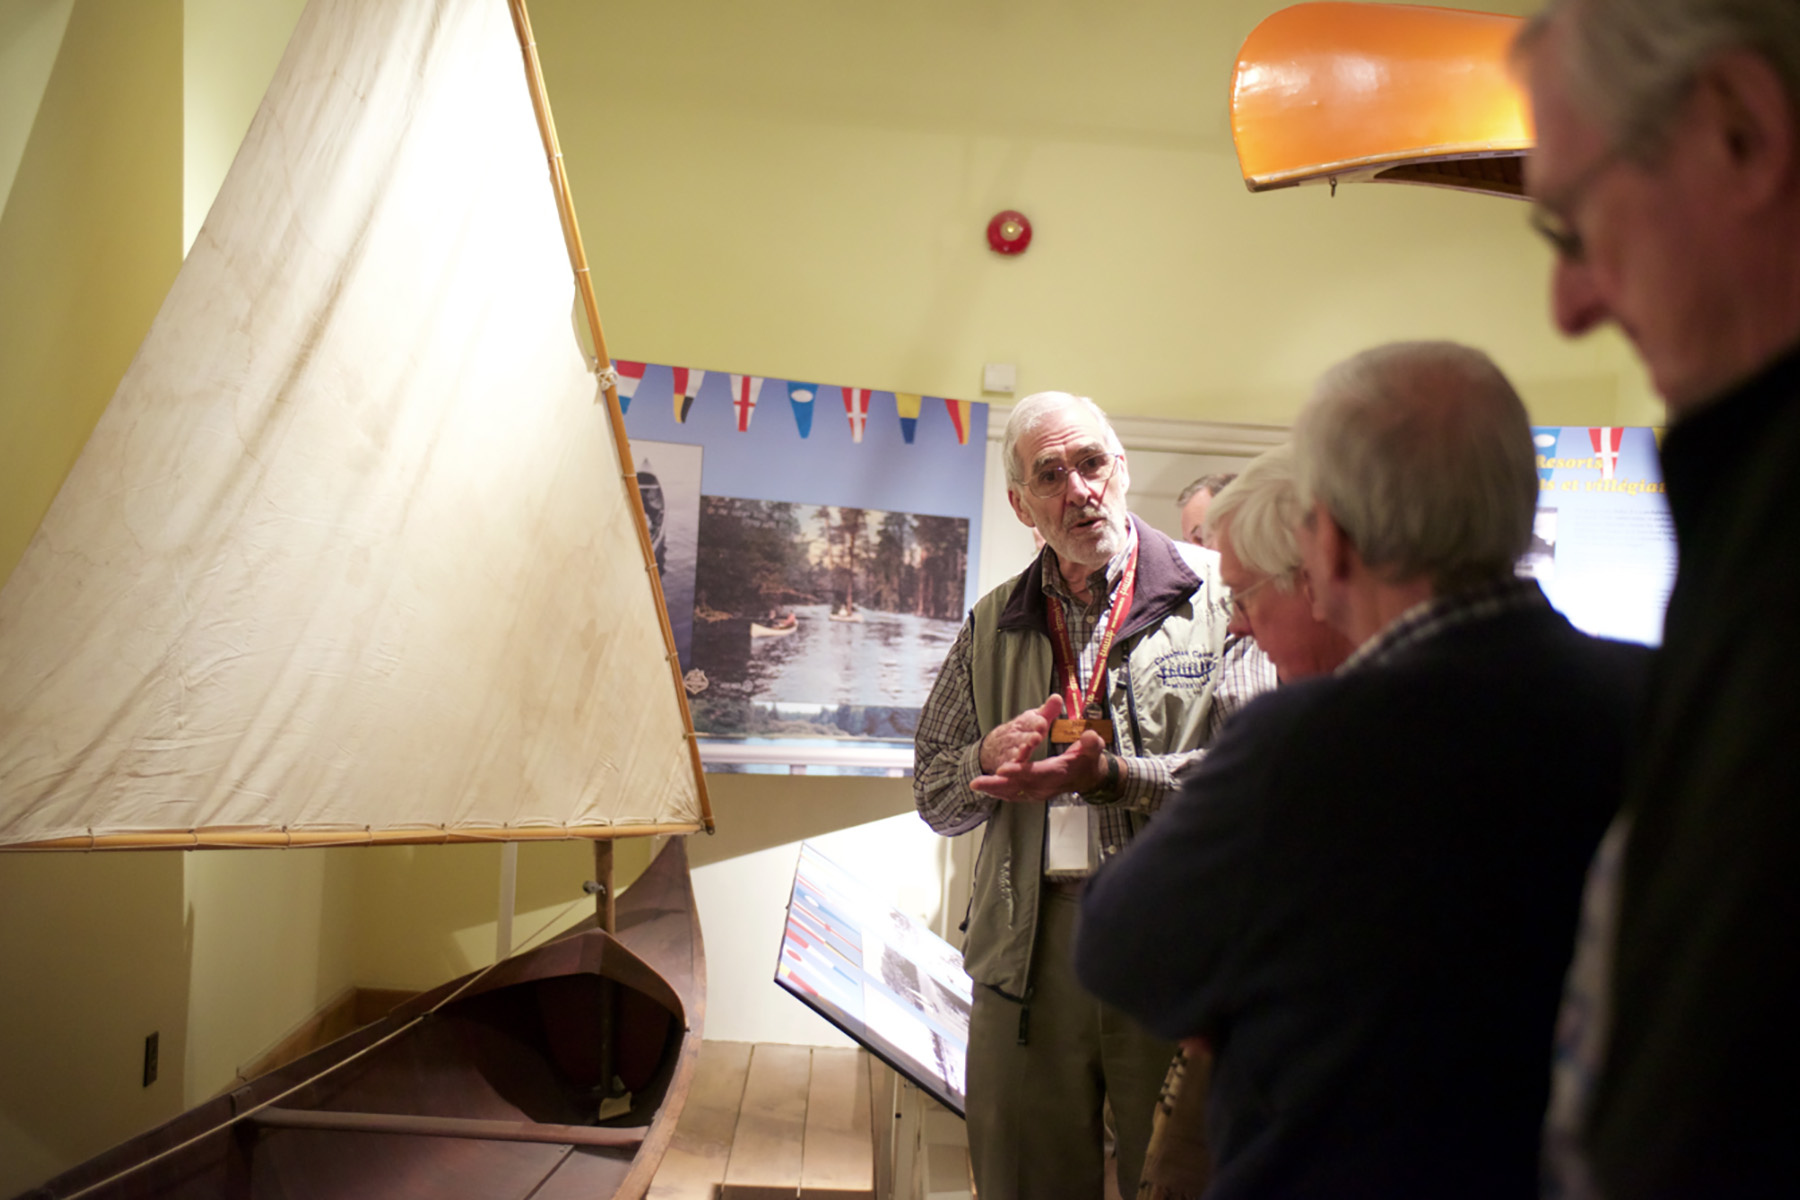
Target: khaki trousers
point(1034, 1111)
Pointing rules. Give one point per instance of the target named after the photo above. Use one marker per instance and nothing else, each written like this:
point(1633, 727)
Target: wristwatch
point(1107, 791)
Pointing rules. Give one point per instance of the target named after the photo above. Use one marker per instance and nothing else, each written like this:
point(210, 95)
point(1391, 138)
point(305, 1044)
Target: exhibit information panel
point(878, 975)
point(1603, 546)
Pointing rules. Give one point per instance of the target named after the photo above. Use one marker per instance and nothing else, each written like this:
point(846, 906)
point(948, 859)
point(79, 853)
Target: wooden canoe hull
point(488, 1086)
point(1338, 92)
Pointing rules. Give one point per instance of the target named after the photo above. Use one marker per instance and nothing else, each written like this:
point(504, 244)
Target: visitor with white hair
point(1364, 898)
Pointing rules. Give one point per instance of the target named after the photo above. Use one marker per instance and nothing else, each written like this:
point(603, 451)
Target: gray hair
point(1629, 63)
point(1029, 414)
point(1258, 511)
point(1214, 484)
point(1422, 453)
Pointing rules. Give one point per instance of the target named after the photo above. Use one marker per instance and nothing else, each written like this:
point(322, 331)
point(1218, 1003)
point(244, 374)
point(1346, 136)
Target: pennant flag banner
point(959, 417)
point(744, 390)
point(630, 375)
point(908, 404)
point(917, 412)
point(800, 395)
point(856, 407)
point(1606, 441)
point(686, 387)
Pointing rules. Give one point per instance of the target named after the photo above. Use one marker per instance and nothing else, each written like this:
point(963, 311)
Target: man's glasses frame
point(1553, 219)
point(1239, 596)
point(1052, 480)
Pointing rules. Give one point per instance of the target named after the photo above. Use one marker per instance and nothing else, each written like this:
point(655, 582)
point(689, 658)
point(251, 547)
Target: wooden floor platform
point(770, 1122)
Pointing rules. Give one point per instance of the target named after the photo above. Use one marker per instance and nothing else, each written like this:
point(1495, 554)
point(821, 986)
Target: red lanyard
point(1068, 664)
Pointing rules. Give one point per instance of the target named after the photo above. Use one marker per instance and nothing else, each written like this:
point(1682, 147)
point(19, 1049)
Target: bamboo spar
point(584, 285)
point(228, 838)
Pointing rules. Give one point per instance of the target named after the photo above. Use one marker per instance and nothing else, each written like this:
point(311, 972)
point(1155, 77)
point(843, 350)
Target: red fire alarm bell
point(1009, 232)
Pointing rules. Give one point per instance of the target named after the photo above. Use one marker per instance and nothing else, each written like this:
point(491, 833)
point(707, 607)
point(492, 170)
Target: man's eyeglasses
point(1238, 596)
point(1053, 478)
point(1552, 219)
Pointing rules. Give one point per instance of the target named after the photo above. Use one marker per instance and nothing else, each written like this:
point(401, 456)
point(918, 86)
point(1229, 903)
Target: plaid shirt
point(1428, 618)
point(949, 735)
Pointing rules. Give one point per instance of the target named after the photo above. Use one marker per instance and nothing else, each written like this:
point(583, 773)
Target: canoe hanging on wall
point(1393, 93)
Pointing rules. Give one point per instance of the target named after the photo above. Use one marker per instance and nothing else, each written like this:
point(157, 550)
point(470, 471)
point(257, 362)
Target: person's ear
point(1335, 550)
point(1749, 120)
point(1019, 510)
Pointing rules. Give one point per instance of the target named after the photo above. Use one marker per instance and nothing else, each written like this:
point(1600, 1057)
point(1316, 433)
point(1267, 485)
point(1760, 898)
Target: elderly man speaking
point(1072, 697)
point(1366, 894)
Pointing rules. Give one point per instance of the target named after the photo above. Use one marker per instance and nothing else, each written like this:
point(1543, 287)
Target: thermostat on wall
point(999, 377)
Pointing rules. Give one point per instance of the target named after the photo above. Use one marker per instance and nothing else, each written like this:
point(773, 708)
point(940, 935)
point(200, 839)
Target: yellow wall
point(95, 954)
point(230, 51)
point(89, 241)
point(796, 188)
point(94, 948)
point(424, 914)
point(800, 189)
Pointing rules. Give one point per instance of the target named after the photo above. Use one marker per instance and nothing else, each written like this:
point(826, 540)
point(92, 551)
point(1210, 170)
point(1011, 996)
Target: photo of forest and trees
point(815, 620)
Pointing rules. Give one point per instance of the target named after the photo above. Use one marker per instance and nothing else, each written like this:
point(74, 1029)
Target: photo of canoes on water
point(818, 620)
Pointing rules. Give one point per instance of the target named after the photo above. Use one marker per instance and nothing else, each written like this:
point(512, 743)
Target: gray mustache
point(1086, 514)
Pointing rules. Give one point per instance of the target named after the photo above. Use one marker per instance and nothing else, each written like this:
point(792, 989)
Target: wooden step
point(788, 1122)
point(695, 1163)
point(838, 1162)
point(767, 1150)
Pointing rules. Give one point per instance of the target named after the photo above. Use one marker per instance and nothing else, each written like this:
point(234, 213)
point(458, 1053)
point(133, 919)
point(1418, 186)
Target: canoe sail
point(352, 555)
point(1394, 93)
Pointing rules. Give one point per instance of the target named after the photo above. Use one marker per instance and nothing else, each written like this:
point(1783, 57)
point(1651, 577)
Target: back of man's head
point(1422, 454)
point(1630, 63)
point(1258, 510)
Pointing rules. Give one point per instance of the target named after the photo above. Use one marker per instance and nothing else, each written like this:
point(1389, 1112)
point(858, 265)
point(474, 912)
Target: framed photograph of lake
point(822, 621)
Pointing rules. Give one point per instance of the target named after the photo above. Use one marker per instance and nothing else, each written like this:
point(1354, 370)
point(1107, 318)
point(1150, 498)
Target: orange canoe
point(1340, 93)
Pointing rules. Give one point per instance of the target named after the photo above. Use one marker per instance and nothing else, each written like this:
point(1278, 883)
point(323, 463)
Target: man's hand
point(1080, 768)
point(1018, 739)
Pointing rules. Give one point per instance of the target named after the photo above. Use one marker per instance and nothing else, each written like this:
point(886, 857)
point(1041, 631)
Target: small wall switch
point(999, 377)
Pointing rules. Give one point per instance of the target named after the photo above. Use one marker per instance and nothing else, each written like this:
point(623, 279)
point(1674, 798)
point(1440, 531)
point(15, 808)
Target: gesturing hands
point(1018, 739)
point(1012, 775)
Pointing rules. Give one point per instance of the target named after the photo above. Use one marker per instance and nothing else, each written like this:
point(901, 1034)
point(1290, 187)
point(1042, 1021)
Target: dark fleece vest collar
point(1164, 582)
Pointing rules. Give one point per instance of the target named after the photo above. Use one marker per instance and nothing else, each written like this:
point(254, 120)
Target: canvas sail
point(351, 555)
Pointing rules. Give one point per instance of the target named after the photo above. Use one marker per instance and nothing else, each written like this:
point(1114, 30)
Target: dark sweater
point(1366, 897)
point(1698, 1097)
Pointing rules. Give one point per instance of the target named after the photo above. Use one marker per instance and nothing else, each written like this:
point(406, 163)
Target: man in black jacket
point(1667, 179)
point(1366, 895)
